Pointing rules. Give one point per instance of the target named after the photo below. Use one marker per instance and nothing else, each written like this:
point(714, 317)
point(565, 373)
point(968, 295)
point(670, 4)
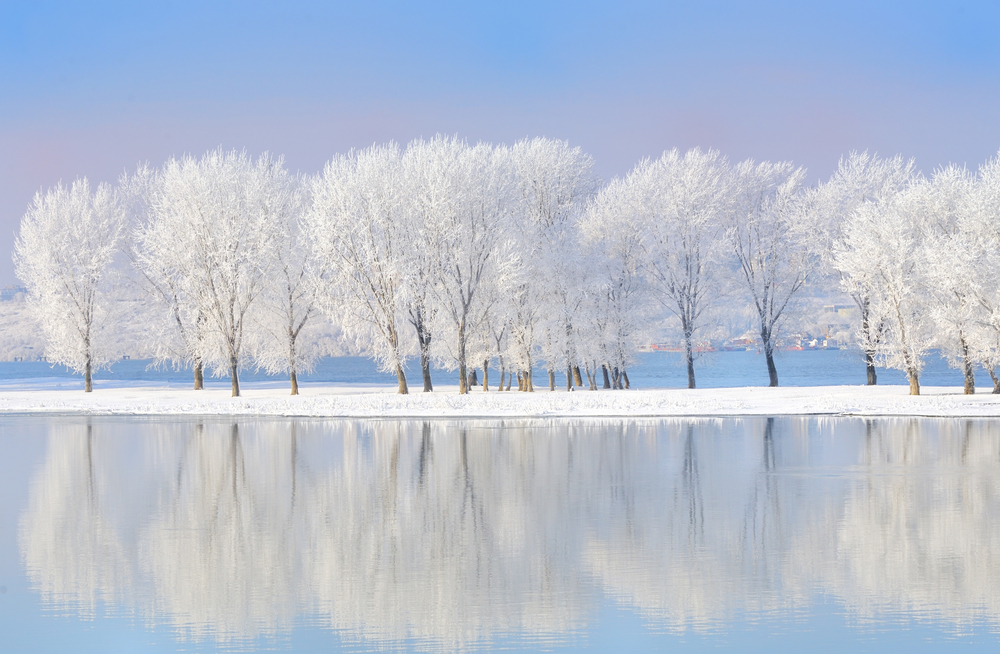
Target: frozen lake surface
point(759, 534)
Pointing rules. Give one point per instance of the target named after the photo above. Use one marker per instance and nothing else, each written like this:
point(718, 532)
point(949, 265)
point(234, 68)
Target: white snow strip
point(368, 402)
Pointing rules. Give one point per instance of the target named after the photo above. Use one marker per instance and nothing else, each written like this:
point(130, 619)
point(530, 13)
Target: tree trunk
point(234, 376)
point(569, 378)
point(88, 379)
point(520, 381)
point(870, 368)
point(199, 376)
point(425, 370)
point(463, 371)
point(404, 389)
point(576, 377)
point(529, 384)
point(772, 372)
point(970, 375)
point(914, 382)
point(616, 382)
point(689, 355)
point(473, 379)
point(424, 340)
point(607, 380)
point(628, 385)
point(486, 376)
point(503, 374)
point(295, 381)
point(591, 382)
point(996, 381)
point(866, 330)
point(510, 379)
point(552, 380)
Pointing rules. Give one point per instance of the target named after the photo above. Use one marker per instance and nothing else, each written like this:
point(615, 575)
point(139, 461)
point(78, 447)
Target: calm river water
point(777, 535)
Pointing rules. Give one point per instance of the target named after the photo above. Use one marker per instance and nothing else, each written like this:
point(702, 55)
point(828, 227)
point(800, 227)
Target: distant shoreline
point(445, 403)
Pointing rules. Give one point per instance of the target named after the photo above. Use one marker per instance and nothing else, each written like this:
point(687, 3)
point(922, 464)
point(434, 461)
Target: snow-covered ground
point(373, 402)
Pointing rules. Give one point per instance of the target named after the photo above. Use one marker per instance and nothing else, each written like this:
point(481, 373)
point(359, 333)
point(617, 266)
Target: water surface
point(309, 535)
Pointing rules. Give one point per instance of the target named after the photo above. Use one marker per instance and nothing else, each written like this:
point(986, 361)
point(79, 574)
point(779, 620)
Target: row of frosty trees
point(511, 257)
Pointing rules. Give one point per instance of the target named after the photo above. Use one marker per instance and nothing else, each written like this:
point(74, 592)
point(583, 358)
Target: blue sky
point(91, 89)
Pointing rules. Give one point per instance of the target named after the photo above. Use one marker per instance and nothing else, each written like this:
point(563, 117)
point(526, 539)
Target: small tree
point(68, 241)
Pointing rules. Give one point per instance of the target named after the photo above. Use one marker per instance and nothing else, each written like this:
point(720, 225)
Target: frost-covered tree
point(765, 232)
point(177, 331)
point(216, 218)
point(860, 178)
point(618, 291)
point(555, 183)
point(882, 257)
point(679, 200)
point(64, 253)
point(357, 221)
point(289, 301)
point(981, 241)
point(950, 253)
point(464, 194)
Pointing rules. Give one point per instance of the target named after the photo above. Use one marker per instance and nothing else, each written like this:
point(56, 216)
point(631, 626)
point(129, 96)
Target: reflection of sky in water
point(450, 535)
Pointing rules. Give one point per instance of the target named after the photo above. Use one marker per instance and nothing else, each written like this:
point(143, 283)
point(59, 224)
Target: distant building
point(843, 310)
point(8, 293)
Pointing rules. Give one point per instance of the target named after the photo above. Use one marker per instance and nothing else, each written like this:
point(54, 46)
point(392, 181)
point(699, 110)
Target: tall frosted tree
point(679, 199)
point(464, 194)
point(766, 236)
point(555, 182)
point(356, 222)
point(64, 253)
point(860, 178)
point(289, 301)
point(883, 257)
point(221, 213)
point(618, 289)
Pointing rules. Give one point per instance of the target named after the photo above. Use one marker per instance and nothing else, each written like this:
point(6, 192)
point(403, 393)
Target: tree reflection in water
point(457, 533)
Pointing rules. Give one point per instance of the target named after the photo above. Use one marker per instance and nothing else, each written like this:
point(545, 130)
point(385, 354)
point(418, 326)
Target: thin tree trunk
point(569, 378)
point(463, 371)
point(914, 382)
point(486, 376)
point(616, 383)
point(577, 379)
point(424, 340)
point(234, 376)
point(295, 381)
point(199, 375)
point(970, 375)
point(520, 381)
point(503, 374)
point(867, 340)
point(625, 378)
point(425, 370)
point(607, 380)
point(510, 380)
point(996, 381)
point(689, 355)
point(552, 379)
point(404, 389)
point(529, 384)
point(591, 382)
point(88, 380)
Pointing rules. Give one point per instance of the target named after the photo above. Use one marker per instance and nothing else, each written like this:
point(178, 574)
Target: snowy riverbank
point(381, 402)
